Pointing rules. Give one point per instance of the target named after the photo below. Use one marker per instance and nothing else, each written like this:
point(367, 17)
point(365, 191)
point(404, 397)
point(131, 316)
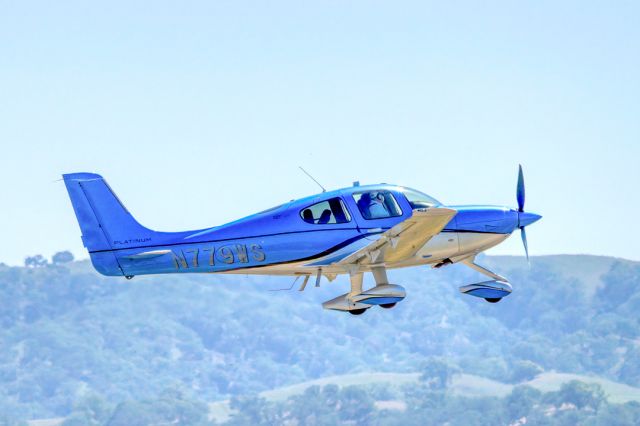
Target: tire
point(493, 300)
point(388, 305)
point(357, 311)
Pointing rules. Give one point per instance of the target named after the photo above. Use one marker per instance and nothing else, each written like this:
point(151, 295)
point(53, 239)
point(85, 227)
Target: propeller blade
point(520, 190)
point(523, 234)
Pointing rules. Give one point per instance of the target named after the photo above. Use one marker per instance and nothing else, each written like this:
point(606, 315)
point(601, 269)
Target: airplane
point(353, 230)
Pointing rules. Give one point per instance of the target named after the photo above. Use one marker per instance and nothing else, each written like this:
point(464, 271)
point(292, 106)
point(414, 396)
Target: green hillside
point(72, 337)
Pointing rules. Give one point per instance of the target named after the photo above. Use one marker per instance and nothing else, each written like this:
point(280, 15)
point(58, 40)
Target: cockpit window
point(326, 212)
point(377, 204)
point(419, 200)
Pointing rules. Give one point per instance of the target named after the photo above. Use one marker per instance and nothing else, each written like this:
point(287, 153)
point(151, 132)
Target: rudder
point(104, 221)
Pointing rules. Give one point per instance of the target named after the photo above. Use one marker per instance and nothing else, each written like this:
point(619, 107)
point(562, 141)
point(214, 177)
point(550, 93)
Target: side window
point(377, 204)
point(326, 212)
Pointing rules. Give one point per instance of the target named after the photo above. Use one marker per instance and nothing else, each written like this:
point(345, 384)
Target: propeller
point(523, 234)
point(523, 218)
point(520, 189)
point(520, 196)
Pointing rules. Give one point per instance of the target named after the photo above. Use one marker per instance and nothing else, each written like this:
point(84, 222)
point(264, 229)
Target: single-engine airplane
point(352, 231)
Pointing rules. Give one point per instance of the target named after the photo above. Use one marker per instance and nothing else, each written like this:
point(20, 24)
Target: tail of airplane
point(104, 221)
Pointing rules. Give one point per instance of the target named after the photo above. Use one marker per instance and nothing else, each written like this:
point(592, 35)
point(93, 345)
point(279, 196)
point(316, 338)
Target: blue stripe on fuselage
point(483, 219)
point(228, 255)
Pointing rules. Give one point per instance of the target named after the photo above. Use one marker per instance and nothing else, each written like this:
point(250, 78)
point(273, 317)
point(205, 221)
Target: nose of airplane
point(526, 218)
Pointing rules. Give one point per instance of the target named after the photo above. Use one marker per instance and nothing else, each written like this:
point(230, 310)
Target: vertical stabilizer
point(104, 221)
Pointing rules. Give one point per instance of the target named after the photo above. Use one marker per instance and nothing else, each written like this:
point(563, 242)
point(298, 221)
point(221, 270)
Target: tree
point(7, 420)
point(580, 394)
point(90, 410)
point(160, 411)
point(619, 415)
point(524, 370)
point(630, 370)
point(520, 401)
point(620, 282)
point(437, 373)
point(315, 406)
point(253, 410)
point(37, 261)
point(62, 257)
point(356, 405)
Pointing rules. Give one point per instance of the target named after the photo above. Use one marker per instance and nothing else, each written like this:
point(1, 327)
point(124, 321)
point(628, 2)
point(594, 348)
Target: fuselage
point(296, 237)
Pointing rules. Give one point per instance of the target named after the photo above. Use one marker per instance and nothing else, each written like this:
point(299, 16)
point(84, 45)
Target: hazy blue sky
point(200, 112)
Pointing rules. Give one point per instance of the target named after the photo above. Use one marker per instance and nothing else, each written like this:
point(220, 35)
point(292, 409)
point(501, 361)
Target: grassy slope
point(47, 422)
point(464, 384)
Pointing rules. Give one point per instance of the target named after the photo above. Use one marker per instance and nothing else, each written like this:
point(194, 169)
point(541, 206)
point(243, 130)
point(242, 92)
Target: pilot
point(372, 206)
point(377, 208)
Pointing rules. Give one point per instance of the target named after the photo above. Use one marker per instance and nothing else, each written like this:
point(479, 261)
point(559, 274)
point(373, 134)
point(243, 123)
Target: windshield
point(419, 200)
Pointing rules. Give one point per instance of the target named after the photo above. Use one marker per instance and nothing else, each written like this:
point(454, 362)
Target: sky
point(198, 113)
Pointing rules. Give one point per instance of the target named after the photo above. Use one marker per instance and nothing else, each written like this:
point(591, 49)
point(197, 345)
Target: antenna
point(312, 178)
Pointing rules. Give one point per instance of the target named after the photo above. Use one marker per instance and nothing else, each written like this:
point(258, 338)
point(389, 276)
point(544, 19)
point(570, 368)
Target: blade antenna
point(312, 178)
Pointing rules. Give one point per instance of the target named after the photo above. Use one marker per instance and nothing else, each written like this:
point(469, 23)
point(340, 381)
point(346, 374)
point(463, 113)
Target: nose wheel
point(357, 311)
point(388, 305)
point(493, 299)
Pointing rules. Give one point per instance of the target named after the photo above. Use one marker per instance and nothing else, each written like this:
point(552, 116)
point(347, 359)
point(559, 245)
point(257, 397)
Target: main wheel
point(357, 311)
point(388, 305)
point(493, 299)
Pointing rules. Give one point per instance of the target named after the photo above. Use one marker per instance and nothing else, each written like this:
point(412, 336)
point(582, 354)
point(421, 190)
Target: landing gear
point(357, 301)
point(128, 276)
point(356, 288)
point(492, 291)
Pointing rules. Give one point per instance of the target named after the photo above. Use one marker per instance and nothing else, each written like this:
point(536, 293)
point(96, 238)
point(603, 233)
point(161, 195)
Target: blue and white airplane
point(351, 231)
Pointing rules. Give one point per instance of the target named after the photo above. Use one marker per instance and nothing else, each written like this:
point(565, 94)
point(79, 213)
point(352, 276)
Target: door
point(376, 210)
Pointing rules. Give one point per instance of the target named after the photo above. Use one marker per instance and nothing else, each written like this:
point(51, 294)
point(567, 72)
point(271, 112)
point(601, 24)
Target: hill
point(70, 334)
point(466, 385)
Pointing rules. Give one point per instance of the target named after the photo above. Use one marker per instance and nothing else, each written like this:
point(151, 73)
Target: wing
point(403, 240)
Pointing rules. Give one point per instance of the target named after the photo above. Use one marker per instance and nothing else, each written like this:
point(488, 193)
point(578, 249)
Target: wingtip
point(81, 176)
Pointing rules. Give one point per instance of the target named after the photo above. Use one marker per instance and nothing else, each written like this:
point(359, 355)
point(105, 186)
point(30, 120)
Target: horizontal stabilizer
point(147, 255)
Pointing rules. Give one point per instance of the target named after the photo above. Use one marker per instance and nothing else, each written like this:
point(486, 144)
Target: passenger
point(325, 217)
point(307, 215)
